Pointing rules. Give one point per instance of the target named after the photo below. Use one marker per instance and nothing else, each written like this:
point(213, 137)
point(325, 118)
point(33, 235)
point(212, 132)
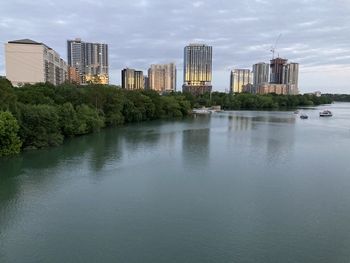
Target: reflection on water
point(195, 143)
point(266, 192)
point(266, 130)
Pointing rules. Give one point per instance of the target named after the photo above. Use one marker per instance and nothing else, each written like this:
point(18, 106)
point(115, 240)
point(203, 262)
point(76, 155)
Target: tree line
point(248, 101)
point(42, 115)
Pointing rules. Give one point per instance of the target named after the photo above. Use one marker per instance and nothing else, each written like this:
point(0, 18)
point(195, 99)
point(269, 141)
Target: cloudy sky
point(315, 34)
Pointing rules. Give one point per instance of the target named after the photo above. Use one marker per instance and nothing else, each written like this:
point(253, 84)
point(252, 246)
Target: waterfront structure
point(132, 79)
point(197, 69)
point(162, 77)
point(28, 61)
point(90, 59)
point(260, 73)
point(239, 78)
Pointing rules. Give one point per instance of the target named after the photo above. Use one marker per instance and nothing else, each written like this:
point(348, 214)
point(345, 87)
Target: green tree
point(39, 126)
point(8, 97)
point(10, 143)
point(89, 119)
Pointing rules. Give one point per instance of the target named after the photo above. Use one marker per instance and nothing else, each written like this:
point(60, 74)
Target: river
point(240, 186)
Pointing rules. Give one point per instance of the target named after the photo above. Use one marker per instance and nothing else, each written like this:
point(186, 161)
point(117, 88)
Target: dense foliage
point(258, 102)
point(338, 97)
point(9, 140)
point(43, 115)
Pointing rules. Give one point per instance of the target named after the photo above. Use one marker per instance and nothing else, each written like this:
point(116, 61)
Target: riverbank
point(42, 115)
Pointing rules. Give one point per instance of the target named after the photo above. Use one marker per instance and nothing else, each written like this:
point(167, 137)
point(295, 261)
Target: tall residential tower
point(197, 69)
point(90, 60)
point(162, 78)
point(132, 79)
point(260, 73)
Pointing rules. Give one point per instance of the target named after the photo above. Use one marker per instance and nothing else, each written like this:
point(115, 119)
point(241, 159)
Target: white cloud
point(142, 32)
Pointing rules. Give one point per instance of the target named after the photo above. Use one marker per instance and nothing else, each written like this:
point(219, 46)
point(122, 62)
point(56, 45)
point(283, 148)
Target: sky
point(315, 34)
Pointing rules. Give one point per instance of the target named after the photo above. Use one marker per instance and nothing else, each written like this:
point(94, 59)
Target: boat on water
point(201, 111)
point(326, 113)
point(296, 112)
point(304, 116)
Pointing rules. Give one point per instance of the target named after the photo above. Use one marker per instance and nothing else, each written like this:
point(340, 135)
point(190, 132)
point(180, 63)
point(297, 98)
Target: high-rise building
point(290, 77)
point(260, 73)
point(238, 79)
point(90, 59)
point(162, 77)
point(277, 70)
point(146, 83)
point(197, 69)
point(28, 61)
point(132, 79)
point(139, 80)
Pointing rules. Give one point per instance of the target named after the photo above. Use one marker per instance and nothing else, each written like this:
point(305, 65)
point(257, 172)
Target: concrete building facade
point(28, 61)
point(162, 77)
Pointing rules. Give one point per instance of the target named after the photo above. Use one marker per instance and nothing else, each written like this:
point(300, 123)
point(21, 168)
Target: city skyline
point(319, 41)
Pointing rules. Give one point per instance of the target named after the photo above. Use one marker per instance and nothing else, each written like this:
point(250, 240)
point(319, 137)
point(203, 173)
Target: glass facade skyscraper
point(90, 59)
point(197, 69)
point(132, 79)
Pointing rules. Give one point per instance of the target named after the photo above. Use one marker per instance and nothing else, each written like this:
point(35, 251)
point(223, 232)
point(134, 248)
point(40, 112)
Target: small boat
point(201, 111)
point(296, 112)
point(326, 113)
point(304, 116)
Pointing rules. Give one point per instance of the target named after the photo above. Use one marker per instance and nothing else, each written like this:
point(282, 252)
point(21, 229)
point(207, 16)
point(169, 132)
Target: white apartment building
point(28, 61)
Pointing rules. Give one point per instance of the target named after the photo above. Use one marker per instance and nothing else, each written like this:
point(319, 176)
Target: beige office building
point(238, 79)
point(31, 62)
point(162, 77)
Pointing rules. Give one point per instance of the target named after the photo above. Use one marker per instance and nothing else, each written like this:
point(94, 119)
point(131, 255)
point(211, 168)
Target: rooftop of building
point(27, 41)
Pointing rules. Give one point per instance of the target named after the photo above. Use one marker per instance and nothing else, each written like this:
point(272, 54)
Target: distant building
point(280, 89)
point(28, 61)
point(249, 88)
point(238, 79)
point(260, 73)
point(315, 93)
point(132, 79)
point(73, 75)
point(283, 77)
point(146, 83)
point(162, 77)
point(197, 69)
point(139, 80)
point(277, 70)
point(291, 75)
point(90, 59)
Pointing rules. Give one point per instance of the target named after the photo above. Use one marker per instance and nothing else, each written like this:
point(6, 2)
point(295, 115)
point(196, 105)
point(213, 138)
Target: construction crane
point(273, 48)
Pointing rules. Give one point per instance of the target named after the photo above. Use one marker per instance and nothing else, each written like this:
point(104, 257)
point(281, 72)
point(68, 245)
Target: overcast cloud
point(315, 34)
